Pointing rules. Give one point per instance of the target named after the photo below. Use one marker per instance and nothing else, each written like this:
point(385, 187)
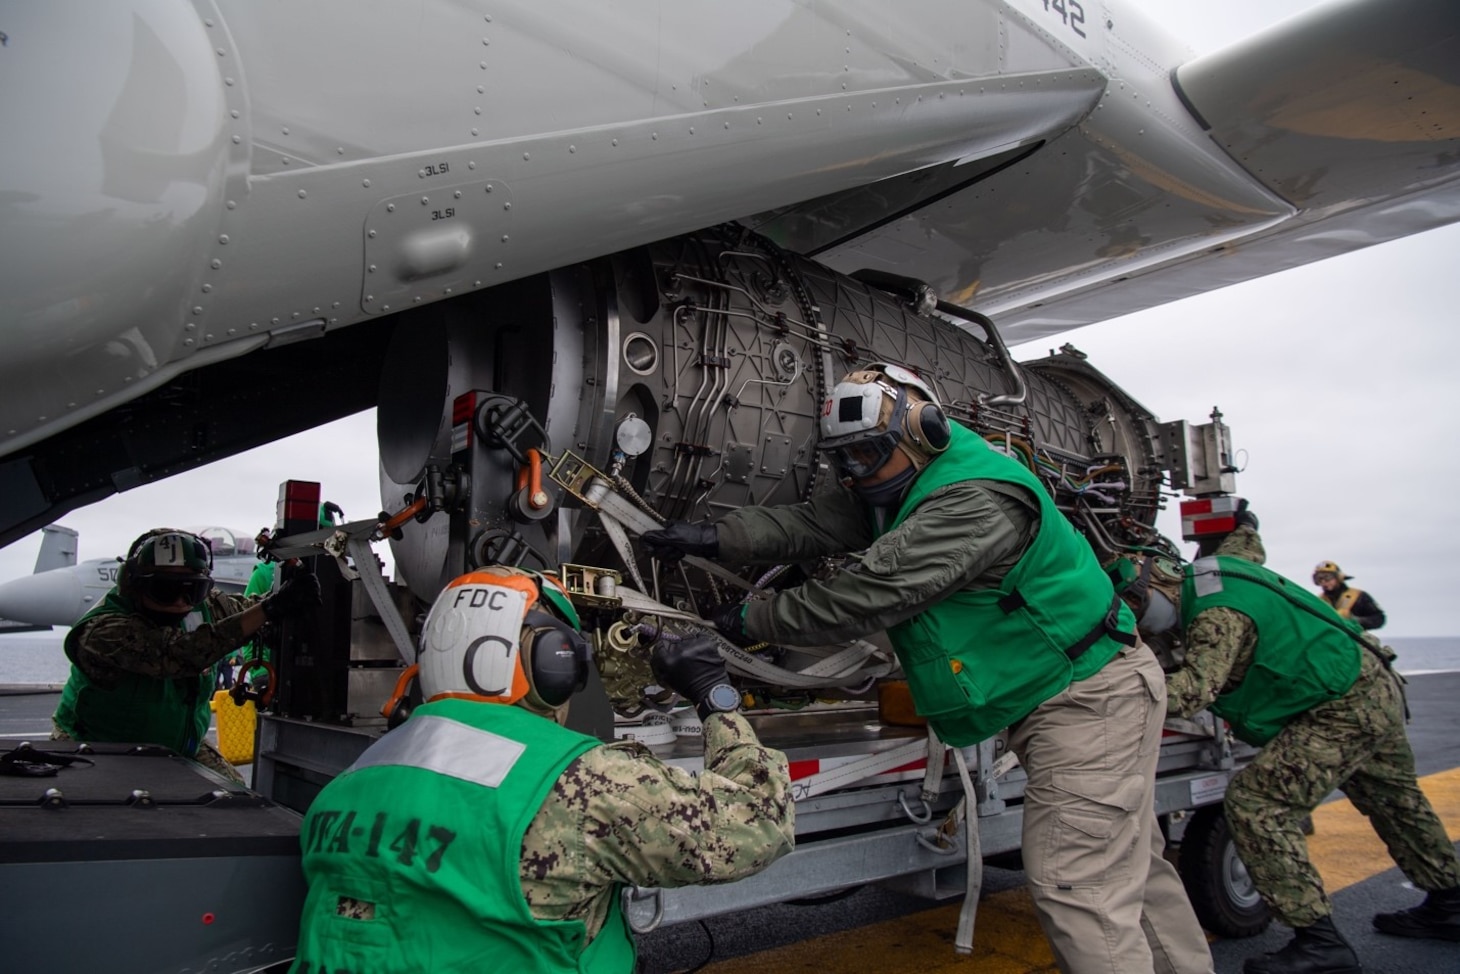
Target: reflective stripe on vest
point(1345, 604)
point(446, 747)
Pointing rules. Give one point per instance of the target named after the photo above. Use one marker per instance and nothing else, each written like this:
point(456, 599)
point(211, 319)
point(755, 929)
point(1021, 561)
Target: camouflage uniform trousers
point(1357, 744)
point(207, 756)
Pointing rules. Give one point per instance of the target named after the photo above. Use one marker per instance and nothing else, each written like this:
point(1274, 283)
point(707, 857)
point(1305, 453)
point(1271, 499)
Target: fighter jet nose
point(53, 598)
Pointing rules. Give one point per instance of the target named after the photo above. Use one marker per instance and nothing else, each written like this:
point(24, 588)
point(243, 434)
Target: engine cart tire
point(1217, 883)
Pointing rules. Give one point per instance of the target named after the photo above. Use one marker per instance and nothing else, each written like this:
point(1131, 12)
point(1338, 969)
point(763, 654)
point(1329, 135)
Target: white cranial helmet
point(503, 635)
point(471, 643)
point(873, 411)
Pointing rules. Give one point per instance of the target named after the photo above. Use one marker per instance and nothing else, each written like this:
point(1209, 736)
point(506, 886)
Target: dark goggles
point(863, 458)
point(165, 589)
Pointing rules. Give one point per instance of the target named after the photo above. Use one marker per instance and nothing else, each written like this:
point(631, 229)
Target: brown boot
point(1315, 949)
point(1438, 917)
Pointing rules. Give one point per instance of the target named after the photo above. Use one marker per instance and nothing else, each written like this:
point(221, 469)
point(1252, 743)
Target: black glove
point(1245, 518)
point(295, 597)
point(729, 619)
point(689, 667)
point(679, 538)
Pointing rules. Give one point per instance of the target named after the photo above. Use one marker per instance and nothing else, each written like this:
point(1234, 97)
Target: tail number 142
point(1070, 12)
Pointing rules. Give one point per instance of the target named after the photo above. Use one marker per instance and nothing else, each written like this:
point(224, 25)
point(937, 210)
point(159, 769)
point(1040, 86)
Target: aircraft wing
point(214, 216)
point(1339, 129)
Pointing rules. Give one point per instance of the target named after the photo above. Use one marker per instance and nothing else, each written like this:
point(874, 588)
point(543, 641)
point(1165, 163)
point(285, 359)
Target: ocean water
point(1426, 654)
point(38, 658)
point(34, 657)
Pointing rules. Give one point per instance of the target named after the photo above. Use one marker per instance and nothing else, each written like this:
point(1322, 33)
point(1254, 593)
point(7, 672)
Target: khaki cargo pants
point(1107, 898)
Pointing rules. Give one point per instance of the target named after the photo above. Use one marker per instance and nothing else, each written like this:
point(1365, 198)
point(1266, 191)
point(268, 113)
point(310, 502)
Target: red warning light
point(208, 918)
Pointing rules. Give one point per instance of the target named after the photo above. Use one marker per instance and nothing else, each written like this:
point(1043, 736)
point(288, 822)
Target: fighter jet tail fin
point(58, 548)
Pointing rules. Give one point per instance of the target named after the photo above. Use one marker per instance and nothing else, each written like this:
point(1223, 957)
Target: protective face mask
point(1160, 614)
point(890, 491)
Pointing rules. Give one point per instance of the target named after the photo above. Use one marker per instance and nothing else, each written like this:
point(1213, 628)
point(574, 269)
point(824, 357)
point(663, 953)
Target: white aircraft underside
point(184, 183)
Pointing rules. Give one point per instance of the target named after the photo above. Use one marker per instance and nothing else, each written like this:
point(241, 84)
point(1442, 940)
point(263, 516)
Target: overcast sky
point(1337, 380)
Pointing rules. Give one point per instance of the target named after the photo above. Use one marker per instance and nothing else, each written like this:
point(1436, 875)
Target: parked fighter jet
point(225, 222)
point(58, 551)
point(60, 594)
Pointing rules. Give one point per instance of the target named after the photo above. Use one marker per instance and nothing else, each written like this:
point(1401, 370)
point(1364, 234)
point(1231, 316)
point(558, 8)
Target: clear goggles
point(862, 458)
point(170, 589)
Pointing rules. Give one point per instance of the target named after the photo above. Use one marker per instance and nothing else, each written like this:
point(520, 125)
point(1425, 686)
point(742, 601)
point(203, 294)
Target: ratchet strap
point(25, 761)
point(843, 668)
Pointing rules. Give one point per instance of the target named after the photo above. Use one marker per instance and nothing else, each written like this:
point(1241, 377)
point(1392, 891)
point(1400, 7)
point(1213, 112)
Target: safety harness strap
point(1109, 625)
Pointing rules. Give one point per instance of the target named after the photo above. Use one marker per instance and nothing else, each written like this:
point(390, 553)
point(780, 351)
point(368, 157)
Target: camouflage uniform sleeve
point(1244, 543)
point(110, 645)
point(830, 523)
point(225, 605)
point(619, 815)
point(1219, 645)
point(961, 536)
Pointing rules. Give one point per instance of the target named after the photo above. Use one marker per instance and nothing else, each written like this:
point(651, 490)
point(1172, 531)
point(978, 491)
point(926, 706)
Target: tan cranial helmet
point(879, 409)
point(1329, 568)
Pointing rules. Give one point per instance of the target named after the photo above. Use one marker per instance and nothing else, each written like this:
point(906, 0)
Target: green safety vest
point(261, 579)
point(421, 838)
point(139, 709)
point(980, 660)
point(1305, 653)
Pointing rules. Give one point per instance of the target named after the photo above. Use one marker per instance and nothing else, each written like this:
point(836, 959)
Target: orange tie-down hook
point(530, 476)
point(244, 690)
point(393, 524)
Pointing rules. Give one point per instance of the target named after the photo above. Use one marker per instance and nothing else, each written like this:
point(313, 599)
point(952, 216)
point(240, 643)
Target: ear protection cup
point(557, 656)
point(398, 708)
point(927, 424)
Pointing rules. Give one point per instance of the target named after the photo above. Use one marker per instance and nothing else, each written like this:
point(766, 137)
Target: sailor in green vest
point(481, 835)
point(142, 660)
point(1001, 617)
point(1320, 698)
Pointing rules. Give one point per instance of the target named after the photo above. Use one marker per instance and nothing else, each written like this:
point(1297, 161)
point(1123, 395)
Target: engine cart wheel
point(1216, 880)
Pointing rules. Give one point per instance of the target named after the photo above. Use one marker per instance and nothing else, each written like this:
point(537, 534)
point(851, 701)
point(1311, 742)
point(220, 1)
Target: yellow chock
point(235, 728)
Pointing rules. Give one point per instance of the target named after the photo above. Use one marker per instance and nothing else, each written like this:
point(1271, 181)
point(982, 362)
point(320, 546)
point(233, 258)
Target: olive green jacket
point(965, 536)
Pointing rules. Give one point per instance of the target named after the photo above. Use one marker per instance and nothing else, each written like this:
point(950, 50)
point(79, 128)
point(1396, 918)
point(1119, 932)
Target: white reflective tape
point(447, 747)
point(1206, 577)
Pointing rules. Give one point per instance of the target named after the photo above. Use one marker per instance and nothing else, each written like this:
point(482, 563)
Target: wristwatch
point(722, 699)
